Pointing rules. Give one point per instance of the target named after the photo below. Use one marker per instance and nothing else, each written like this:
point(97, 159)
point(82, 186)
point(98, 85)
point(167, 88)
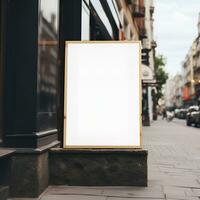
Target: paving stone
point(23, 199)
point(136, 193)
point(188, 166)
point(172, 170)
point(174, 192)
point(189, 192)
point(74, 190)
point(181, 182)
point(72, 197)
point(113, 198)
point(192, 198)
point(196, 192)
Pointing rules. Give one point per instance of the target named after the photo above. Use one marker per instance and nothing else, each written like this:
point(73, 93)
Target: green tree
point(160, 75)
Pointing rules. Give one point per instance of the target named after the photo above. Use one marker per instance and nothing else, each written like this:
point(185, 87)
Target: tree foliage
point(160, 75)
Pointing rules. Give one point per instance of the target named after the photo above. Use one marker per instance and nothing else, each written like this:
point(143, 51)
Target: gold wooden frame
point(65, 99)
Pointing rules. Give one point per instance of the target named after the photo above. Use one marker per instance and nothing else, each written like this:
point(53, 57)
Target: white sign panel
point(102, 95)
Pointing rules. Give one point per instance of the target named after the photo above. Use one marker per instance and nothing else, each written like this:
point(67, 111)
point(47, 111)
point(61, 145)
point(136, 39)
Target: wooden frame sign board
point(102, 95)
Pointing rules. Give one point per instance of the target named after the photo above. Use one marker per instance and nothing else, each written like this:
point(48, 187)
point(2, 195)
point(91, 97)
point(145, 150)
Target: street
point(173, 168)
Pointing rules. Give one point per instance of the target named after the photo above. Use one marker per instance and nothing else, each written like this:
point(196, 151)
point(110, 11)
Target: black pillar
point(30, 92)
point(70, 29)
point(25, 124)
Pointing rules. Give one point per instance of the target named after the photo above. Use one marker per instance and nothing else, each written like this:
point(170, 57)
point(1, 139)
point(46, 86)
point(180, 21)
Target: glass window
point(113, 7)
point(100, 11)
point(85, 24)
point(48, 55)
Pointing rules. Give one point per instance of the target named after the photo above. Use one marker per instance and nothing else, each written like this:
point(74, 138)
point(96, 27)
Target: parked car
point(182, 113)
point(176, 112)
point(196, 116)
point(193, 116)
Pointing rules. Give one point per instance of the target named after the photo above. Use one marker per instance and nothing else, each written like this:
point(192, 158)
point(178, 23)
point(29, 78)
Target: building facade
point(178, 97)
point(188, 74)
point(32, 60)
point(149, 45)
point(197, 65)
point(184, 90)
point(173, 92)
point(169, 92)
point(191, 72)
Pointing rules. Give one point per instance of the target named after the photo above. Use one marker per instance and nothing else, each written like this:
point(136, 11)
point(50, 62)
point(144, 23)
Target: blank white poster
point(102, 95)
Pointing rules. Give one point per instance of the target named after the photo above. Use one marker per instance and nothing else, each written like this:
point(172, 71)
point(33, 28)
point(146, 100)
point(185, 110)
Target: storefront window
point(100, 11)
point(48, 55)
point(114, 10)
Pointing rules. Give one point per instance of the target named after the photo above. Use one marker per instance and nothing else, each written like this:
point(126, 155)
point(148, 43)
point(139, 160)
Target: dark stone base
point(29, 174)
point(5, 158)
point(107, 167)
point(4, 192)
point(30, 171)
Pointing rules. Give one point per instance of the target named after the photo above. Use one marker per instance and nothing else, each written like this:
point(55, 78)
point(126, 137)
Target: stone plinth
point(98, 167)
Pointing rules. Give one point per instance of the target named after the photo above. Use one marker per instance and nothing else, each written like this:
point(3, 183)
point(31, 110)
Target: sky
point(175, 28)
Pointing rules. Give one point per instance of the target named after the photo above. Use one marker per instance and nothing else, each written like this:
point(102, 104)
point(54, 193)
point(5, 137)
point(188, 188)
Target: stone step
point(98, 167)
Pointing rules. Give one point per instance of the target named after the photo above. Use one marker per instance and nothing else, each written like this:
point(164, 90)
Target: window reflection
point(47, 55)
point(99, 9)
point(114, 10)
point(85, 24)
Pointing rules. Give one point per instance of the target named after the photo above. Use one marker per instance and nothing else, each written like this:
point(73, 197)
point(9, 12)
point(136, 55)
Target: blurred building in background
point(197, 65)
point(184, 90)
point(188, 75)
point(173, 92)
point(191, 72)
point(169, 92)
point(178, 88)
point(136, 17)
point(148, 61)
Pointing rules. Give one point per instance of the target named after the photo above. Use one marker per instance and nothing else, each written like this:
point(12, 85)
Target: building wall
point(149, 44)
point(169, 92)
point(191, 70)
point(188, 72)
point(44, 87)
point(149, 41)
point(173, 91)
point(197, 64)
point(178, 89)
point(34, 55)
point(129, 26)
point(34, 76)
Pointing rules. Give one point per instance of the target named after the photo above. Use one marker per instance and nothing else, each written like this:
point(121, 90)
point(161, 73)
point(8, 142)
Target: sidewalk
point(173, 167)
point(174, 158)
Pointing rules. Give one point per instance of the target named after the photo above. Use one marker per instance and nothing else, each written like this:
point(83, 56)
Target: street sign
point(102, 106)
